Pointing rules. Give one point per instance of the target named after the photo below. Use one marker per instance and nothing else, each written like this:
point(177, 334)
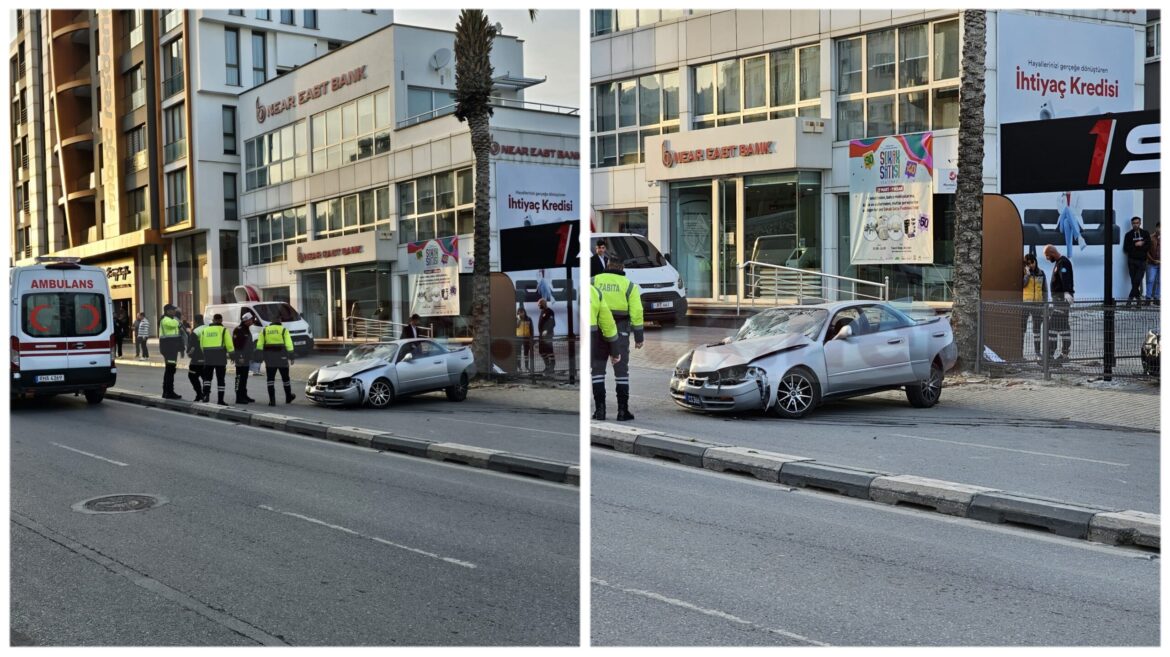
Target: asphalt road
point(963, 439)
point(267, 538)
point(539, 422)
point(685, 557)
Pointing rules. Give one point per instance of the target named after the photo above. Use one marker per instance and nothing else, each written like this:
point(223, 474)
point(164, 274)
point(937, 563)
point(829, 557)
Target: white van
point(62, 330)
point(664, 293)
point(247, 301)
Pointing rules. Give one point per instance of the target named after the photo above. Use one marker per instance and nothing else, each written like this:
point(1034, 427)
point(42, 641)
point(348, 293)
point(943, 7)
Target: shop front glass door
point(691, 242)
point(337, 301)
point(315, 304)
point(728, 244)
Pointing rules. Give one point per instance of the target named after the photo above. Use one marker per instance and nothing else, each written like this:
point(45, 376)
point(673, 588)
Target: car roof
point(830, 306)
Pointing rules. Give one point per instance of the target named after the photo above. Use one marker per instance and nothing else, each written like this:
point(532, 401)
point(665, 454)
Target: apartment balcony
point(136, 221)
point(172, 85)
point(135, 162)
point(134, 100)
point(172, 19)
point(175, 151)
point(176, 214)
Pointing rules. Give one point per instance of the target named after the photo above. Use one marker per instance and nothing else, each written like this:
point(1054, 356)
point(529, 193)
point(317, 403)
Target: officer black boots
point(599, 401)
point(288, 393)
point(624, 414)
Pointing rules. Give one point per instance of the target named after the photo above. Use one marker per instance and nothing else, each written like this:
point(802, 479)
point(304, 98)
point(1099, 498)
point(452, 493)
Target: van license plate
point(662, 304)
point(51, 378)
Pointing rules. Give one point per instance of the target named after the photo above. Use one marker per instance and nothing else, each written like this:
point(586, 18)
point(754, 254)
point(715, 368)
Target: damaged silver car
point(787, 361)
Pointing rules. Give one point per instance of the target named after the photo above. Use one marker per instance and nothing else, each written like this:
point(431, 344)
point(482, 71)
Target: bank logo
point(300, 255)
point(261, 112)
point(667, 154)
point(495, 147)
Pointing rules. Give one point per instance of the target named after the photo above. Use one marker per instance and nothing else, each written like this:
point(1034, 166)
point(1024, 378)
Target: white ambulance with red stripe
point(62, 330)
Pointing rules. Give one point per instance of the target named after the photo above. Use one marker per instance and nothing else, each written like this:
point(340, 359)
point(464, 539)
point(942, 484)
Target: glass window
point(263, 14)
point(366, 207)
point(349, 209)
point(465, 187)
point(406, 198)
point(945, 113)
point(348, 121)
point(333, 125)
point(649, 100)
point(445, 190)
point(913, 51)
point(670, 96)
point(849, 66)
point(286, 17)
point(382, 109)
point(627, 104)
point(229, 129)
point(418, 101)
point(426, 195)
point(879, 116)
point(728, 86)
point(63, 314)
point(232, 54)
point(783, 74)
point(607, 151)
point(705, 89)
point(259, 58)
point(606, 107)
point(946, 50)
point(913, 113)
point(311, 19)
point(755, 83)
point(880, 61)
point(810, 73)
point(628, 148)
point(850, 120)
point(230, 194)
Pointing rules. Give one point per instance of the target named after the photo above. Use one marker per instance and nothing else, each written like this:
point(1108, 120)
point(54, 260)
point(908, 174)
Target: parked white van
point(62, 338)
point(247, 301)
point(664, 293)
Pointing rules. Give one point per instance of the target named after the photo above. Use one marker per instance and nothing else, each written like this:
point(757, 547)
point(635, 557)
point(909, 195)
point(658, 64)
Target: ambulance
point(62, 330)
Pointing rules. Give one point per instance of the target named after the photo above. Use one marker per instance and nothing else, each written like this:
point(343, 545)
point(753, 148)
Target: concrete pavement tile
point(1127, 528)
point(943, 496)
point(757, 463)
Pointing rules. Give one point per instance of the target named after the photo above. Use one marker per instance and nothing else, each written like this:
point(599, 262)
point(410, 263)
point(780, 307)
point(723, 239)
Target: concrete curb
point(479, 457)
point(1099, 525)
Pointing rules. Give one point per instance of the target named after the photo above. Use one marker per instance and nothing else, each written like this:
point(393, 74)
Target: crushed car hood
point(345, 370)
point(709, 358)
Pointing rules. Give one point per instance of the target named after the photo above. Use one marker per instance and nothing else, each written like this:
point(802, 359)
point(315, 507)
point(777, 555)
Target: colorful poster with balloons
point(434, 277)
point(890, 187)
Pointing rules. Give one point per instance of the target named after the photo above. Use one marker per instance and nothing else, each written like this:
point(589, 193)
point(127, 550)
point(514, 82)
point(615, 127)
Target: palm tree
point(473, 88)
point(969, 195)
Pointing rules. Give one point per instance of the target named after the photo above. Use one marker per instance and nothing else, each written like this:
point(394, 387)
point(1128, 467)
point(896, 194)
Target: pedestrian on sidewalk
point(170, 341)
point(1136, 246)
point(546, 325)
point(524, 339)
point(624, 300)
point(1061, 289)
point(121, 328)
point(242, 356)
point(216, 344)
point(1153, 266)
point(185, 329)
point(141, 333)
point(410, 331)
point(1035, 295)
point(276, 345)
point(196, 365)
point(603, 336)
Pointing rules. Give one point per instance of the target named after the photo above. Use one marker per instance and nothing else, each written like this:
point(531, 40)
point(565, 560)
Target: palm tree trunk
point(481, 324)
point(968, 279)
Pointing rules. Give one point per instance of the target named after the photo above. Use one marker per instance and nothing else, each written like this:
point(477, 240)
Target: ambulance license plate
point(51, 378)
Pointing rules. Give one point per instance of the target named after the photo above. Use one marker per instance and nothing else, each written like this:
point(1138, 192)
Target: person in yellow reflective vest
point(195, 365)
point(170, 342)
point(216, 343)
point(603, 335)
point(277, 348)
point(624, 300)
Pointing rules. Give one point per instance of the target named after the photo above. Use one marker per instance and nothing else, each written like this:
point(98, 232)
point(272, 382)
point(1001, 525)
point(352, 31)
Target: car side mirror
point(667, 256)
point(407, 358)
point(845, 333)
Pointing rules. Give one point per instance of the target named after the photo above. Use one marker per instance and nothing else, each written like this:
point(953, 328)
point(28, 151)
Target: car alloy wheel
point(932, 386)
point(381, 393)
point(794, 395)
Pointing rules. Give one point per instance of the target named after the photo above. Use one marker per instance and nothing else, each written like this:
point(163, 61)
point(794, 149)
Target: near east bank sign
point(670, 158)
point(533, 151)
point(265, 110)
point(775, 145)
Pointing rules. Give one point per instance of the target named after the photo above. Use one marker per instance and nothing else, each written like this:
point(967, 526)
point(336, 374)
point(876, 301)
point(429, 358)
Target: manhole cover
point(119, 503)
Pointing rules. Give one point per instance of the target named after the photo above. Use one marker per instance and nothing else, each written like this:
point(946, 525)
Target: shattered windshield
point(383, 351)
point(806, 321)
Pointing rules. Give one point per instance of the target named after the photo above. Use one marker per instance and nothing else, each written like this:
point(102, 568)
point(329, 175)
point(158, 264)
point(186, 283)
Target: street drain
point(119, 503)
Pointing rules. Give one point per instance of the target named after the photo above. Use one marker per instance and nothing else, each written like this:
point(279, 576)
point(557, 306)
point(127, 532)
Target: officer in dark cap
point(170, 342)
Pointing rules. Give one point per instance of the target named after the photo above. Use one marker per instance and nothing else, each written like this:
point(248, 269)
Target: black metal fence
point(536, 360)
point(1069, 339)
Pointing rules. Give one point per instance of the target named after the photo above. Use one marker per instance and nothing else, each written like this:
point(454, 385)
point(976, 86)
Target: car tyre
point(458, 393)
point(380, 394)
point(94, 396)
point(797, 394)
point(927, 393)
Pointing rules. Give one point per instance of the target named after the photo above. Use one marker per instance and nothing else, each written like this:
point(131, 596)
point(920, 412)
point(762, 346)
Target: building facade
point(355, 155)
point(126, 130)
point(724, 136)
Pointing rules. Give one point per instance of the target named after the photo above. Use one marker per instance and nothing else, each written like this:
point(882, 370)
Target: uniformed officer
point(170, 342)
point(195, 354)
point(242, 339)
point(624, 300)
point(217, 344)
point(277, 346)
point(603, 334)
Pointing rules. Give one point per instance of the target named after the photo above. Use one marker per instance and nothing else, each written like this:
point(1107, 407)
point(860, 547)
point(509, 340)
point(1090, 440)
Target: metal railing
point(548, 360)
point(494, 101)
point(136, 162)
point(172, 85)
point(783, 283)
point(364, 329)
point(175, 151)
point(1019, 338)
point(172, 19)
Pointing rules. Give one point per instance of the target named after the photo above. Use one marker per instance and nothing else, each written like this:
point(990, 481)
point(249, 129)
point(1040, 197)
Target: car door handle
point(938, 335)
point(897, 341)
point(436, 362)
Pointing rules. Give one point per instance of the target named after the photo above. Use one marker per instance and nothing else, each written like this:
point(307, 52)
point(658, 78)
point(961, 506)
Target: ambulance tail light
point(15, 351)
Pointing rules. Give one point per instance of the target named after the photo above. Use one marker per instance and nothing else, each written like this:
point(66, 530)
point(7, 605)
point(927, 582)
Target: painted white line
point(708, 612)
point(94, 456)
point(508, 426)
point(1009, 449)
point(457, 562)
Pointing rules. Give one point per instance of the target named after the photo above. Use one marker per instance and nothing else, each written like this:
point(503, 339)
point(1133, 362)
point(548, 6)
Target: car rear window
point(63, 314)
point(269, 312)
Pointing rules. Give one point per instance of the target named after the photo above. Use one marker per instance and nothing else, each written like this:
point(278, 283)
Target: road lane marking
point(346, 530)
point(94, 456)
point(708, 612)
point(509, 426)
point(1009, 449)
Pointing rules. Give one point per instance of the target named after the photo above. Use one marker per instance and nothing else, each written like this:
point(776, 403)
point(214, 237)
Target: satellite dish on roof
point(440, 58)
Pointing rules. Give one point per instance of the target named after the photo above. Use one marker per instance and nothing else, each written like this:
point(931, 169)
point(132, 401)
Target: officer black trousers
point(1137, 271)
point(241, 382)
point(270, 372)
point(599, 354)
point(621, 370)
point(195, 376)
point(169, 378)
point(219, 371)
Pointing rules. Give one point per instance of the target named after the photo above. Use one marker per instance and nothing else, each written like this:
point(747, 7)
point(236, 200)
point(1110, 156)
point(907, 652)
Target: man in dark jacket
point(410, 331)
point(599, 260)
point(195, 353)
point(1136, 246)
point(1061, 287)
point(546, 325)
point(242, 339)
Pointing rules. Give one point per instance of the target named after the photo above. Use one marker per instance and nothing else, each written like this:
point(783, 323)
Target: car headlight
point(682, 285)
point(730, 375)
point(313, 377)
point(341, 383)
point(683, 367)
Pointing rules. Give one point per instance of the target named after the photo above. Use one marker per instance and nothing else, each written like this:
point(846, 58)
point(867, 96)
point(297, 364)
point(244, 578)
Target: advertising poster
point(890, 188)
point(533, 195)
point(1055, 68)
point(434, 277)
